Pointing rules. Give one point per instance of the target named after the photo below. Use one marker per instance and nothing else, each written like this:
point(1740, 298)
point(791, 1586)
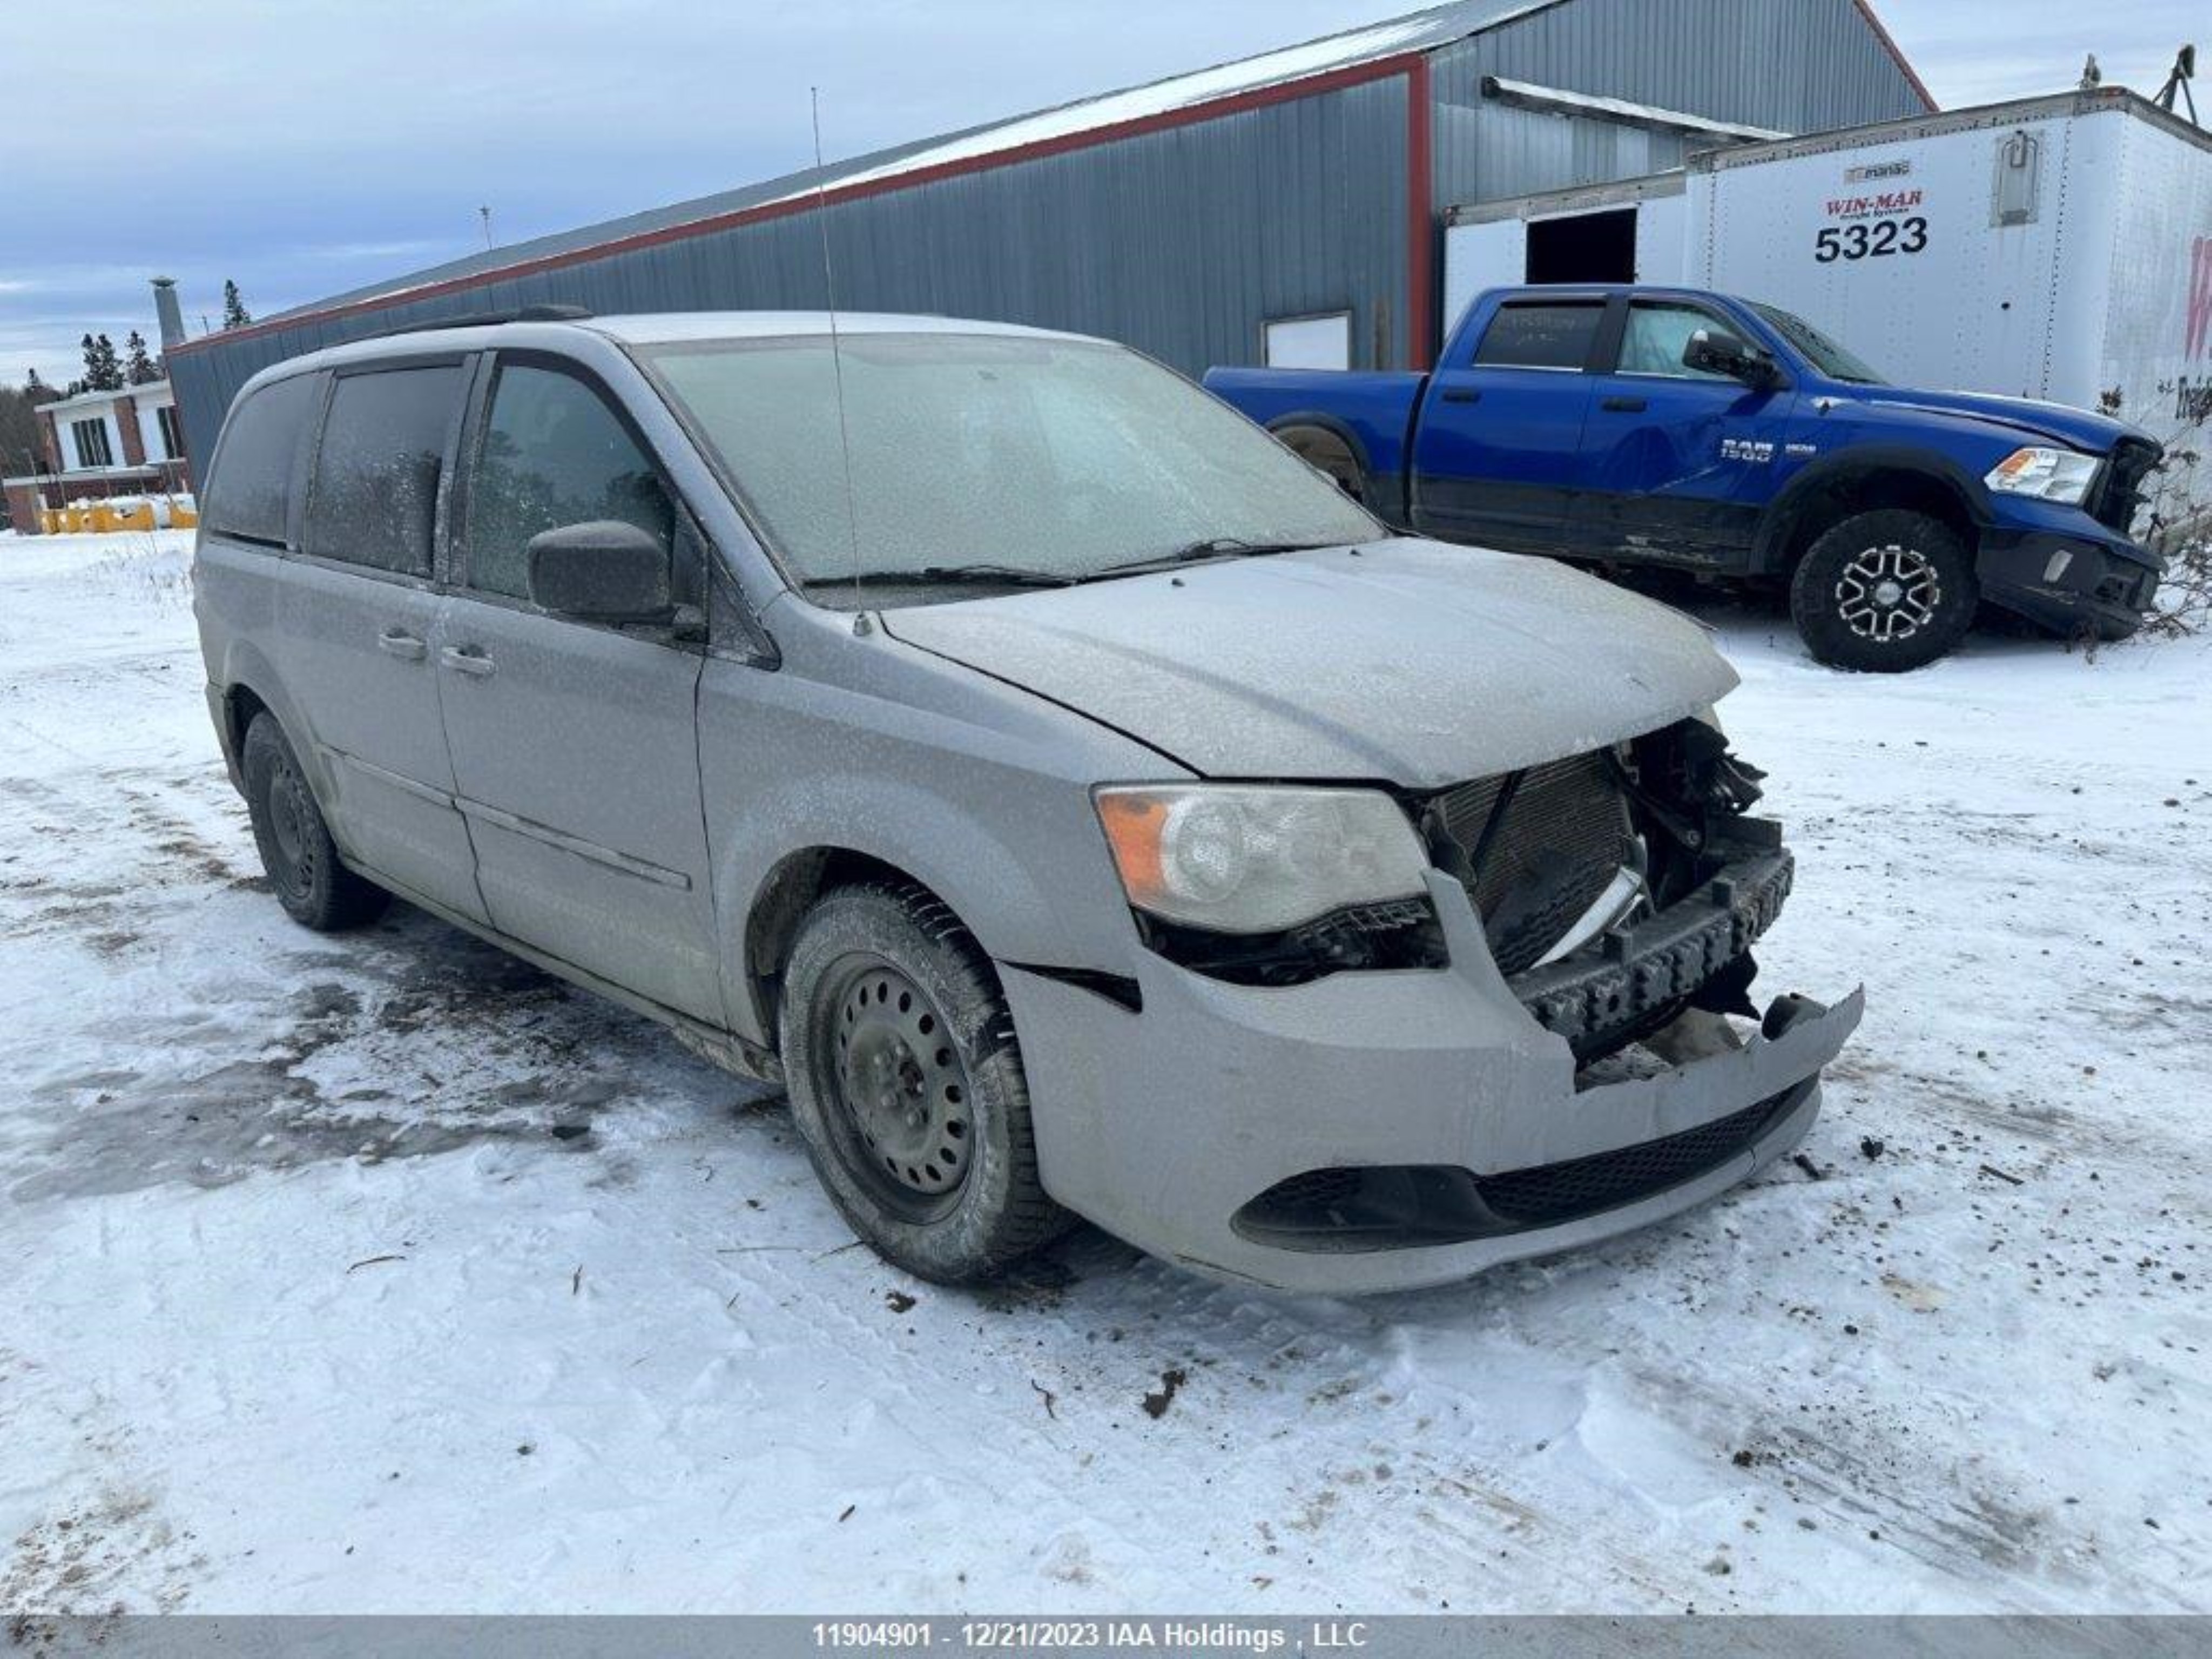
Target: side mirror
point(1716, 351)
point(604, 571)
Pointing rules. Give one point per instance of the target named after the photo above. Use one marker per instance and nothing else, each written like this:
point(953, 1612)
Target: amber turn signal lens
point(1134, 823)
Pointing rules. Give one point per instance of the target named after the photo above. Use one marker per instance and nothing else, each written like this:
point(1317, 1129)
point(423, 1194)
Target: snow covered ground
point(383, 1272)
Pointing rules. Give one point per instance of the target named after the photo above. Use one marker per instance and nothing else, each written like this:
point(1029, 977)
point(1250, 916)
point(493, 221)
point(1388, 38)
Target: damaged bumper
point(1387, 1130)
point(2072, 578)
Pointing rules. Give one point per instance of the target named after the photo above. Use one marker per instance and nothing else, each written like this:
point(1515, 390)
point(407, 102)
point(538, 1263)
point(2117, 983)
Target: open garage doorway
point(1583, 248)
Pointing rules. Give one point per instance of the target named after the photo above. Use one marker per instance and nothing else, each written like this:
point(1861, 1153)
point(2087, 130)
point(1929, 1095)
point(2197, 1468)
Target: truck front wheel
point(1883, 591)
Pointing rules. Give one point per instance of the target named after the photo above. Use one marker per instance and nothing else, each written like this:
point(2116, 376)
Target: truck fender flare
point(1861, 463)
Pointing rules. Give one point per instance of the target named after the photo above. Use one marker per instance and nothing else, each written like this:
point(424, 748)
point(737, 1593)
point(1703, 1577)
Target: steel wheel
point(901, 1102)
point(296, 850)
point(291, 834)
point(1888, 593)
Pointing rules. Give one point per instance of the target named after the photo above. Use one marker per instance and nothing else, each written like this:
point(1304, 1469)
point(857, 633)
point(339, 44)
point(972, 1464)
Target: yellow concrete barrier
point(130, 515)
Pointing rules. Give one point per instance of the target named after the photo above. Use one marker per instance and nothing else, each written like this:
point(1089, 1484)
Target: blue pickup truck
point(1673, 426)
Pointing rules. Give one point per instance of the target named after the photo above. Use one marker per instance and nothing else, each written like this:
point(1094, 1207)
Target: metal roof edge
point(794, 191)
point(2098, 101)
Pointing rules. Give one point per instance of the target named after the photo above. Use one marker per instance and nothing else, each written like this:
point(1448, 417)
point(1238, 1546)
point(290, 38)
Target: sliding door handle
point(398, 642)
point(465, 660)
point(1462, 395)
point(1625, 405)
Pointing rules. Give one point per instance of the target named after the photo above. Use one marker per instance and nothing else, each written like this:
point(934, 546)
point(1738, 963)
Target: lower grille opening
point(1548, 1194)
point(1402, 1206)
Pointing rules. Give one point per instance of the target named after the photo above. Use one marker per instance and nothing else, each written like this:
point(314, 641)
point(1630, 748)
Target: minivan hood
point(1403, 661)
point(2095, 435)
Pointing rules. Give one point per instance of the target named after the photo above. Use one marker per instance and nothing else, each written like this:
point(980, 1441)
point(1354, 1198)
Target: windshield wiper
point(1213, 547)
point(993, 575)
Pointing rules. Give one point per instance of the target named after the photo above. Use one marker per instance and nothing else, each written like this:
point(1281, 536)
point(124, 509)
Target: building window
point(91, 440)
point(1323, 341)
point(173, 432)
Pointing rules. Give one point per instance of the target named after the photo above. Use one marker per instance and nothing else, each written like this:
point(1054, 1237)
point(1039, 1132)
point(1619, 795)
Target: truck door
point(1675, 463)
point(1499, 437)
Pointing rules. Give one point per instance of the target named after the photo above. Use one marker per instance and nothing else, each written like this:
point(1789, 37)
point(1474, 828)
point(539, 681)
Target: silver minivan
point(1078, 802)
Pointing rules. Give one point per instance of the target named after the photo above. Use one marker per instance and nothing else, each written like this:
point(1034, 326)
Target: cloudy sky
point(303, 146)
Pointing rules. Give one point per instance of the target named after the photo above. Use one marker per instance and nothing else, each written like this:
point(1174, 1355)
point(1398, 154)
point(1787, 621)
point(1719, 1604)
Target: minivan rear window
point(250, 495)
point(375, 496)
point(1540, 336)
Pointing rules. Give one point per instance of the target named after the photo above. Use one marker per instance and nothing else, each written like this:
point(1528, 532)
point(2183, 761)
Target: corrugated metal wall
point(1793, 65)
point(1179, 242)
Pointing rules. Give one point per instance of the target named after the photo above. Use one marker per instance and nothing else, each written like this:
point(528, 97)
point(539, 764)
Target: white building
point(96, 445)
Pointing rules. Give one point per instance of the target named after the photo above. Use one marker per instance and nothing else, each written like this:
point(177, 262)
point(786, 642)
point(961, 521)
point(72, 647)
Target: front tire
point(1884, 591)
point(297, 851)
point(906, 1083)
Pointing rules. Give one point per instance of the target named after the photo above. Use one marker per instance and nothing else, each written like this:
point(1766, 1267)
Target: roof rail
point(537, 314)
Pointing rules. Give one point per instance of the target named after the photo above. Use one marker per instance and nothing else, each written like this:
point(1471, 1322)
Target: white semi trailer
point(2055, 248)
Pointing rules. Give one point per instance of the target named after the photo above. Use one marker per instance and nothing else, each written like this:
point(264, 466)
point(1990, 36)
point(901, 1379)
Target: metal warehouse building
point(1283, 208)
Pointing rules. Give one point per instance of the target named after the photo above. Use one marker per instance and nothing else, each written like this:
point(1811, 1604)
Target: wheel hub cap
point(901, 1085)
point(1888, 593)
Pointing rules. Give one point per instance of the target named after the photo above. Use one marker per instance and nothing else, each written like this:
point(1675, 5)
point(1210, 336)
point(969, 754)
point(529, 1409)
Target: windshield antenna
point(837, 363)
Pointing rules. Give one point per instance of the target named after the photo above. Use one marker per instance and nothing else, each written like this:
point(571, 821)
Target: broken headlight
point(1259, 858)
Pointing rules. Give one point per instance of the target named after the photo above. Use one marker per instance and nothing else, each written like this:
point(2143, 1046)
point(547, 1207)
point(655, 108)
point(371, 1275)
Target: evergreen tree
point(103, 369)
point(139, 366)
point(235, 314)
point(36, 391)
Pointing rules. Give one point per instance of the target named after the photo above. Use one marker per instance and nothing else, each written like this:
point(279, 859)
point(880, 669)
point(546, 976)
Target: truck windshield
point(1823, 353)
point(1035, 459)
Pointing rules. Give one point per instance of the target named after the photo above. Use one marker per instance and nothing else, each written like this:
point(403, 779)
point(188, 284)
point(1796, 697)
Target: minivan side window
point(553, 454)
point(1540, 337)
point(375, 501)
point(249, 495)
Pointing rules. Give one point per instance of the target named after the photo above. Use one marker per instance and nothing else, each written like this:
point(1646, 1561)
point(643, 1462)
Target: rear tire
point(296, 850)
point(1884, 591)
point(1328, 454)
point(907, 1084)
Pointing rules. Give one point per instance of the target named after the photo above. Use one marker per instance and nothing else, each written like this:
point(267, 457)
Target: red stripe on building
point(1889, 45)
point(1421, 216)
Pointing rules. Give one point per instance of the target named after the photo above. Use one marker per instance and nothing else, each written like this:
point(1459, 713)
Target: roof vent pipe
point(165, 308)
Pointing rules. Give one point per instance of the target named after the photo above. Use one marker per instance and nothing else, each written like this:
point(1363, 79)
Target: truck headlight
point(2055, 475)
point(1258, 859)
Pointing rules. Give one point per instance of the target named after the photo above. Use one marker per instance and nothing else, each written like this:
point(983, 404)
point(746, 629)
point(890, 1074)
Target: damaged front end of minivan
point(1581, 1057)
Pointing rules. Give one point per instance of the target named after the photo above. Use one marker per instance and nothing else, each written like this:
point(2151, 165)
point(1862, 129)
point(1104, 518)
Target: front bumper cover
point(2069, 580)
point(1163, 1126)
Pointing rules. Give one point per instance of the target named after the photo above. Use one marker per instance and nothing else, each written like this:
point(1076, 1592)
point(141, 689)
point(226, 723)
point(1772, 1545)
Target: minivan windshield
point(981, 458)
point(1823, 353)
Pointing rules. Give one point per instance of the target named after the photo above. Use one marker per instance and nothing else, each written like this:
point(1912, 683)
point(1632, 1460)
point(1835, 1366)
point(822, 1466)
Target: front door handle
point(1625, 405)
point(398, 642)
point(1462, 395)
point(465, 660)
